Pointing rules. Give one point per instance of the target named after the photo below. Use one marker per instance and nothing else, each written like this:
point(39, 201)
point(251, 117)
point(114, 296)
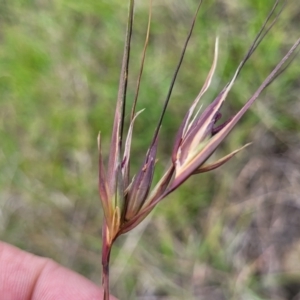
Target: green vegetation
point(227, 234)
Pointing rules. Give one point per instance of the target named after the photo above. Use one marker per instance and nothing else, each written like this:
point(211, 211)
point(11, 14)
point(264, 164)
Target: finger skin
point(24, 276)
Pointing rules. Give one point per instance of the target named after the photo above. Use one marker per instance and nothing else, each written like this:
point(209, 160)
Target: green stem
point(106, 249)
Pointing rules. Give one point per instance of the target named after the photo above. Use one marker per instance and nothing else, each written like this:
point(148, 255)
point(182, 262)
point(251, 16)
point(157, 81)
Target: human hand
point(24, 276)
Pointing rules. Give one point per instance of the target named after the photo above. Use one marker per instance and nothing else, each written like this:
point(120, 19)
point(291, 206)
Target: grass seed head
point(128, 200)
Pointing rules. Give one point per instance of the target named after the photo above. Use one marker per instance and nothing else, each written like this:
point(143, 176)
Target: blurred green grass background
point(230, 234)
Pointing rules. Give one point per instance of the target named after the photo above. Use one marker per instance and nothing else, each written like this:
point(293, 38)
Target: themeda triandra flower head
point(126, 199)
